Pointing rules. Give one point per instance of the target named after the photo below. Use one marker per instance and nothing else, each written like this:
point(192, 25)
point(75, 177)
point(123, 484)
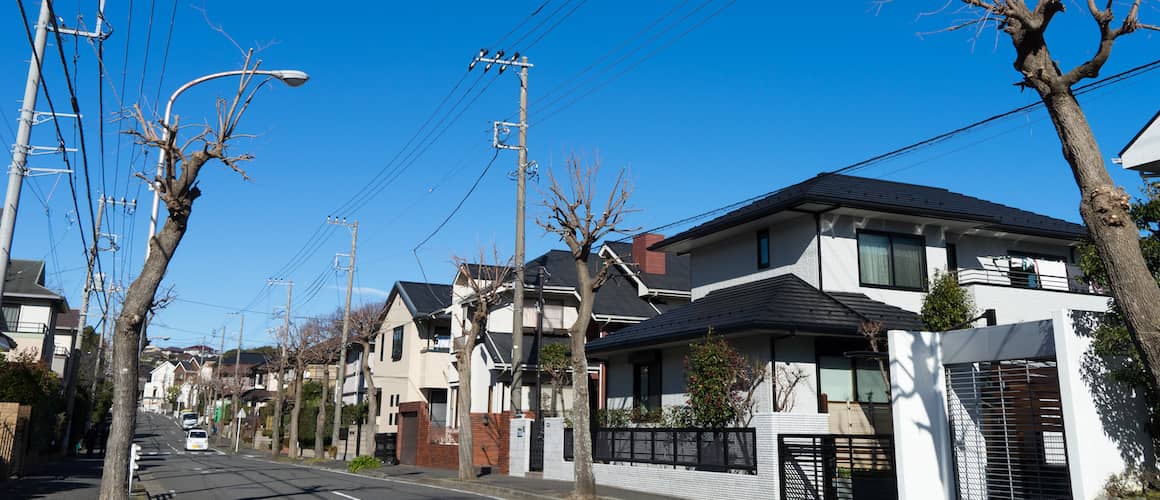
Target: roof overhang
point(1142, 153)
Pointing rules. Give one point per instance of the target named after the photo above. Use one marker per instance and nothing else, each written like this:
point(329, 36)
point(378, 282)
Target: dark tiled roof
point(618, 296)
point(424, 298)
point(889, 196)
point(68, 320)
point(676, 275)
point(26, 279)
point(783, 302)
point(499, 346)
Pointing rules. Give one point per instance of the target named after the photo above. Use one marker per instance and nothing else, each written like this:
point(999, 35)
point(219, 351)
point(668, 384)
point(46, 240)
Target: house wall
point(402, 376)
point(490, 435)
point(733, 261)
point(1014, 305)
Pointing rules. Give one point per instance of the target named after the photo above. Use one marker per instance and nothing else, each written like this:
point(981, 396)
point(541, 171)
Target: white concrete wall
point(685, 483)
point(733, 261)
point(797, 353)
point(519, 447)
point(1014, 305)
point(1104, 421)
point(922, 441)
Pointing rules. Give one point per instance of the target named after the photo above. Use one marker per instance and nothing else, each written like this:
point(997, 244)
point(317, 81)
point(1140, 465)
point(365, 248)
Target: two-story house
point(30, 314)
point(414, 342)
point(642, 284)
point(789, 279)
point(155, 397)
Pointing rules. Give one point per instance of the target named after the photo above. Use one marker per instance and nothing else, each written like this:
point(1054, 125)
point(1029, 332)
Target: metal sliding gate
point(1006, 421)
point(837, 467)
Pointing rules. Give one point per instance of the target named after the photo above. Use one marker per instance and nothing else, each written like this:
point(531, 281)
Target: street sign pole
point(238, 428)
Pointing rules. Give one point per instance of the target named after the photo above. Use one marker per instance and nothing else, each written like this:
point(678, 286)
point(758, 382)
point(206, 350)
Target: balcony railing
point(23, 327)
point(1000, 276)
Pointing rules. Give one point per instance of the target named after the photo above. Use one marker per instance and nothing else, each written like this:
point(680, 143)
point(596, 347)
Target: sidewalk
point(493, 484)
point(58, 478)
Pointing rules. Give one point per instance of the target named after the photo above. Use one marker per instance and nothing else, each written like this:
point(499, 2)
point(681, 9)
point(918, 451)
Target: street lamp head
point(291, 77)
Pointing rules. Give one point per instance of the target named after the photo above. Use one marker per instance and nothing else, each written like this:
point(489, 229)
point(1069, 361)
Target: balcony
point(26, 328)
point(1060, 278)
point(1018, 295)
point(438, 344)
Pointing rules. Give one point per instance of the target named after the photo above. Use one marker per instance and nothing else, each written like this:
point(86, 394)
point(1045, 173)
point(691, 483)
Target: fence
point(820, 466)
point(714, 450)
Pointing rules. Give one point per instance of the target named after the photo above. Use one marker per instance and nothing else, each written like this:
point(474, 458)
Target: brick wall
point(13, 434)
point(490, 432)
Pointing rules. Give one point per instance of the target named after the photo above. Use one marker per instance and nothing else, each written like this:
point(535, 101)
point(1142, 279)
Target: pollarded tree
point(1103, 206)
point(485, 282)
point(177, 186)
point(580, 225)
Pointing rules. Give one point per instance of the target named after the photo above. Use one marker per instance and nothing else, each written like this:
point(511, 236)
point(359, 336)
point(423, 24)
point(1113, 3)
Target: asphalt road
point(168, 471)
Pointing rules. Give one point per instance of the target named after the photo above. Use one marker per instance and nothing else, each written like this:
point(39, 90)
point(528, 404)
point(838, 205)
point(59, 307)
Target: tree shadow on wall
point(1132, 435)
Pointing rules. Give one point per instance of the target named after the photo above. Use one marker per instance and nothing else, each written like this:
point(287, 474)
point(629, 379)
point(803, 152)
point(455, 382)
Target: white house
point(643, 284)
point(1142, 153)
point(30, 315)
point(825, 255)
point(161, 378)
point(413, 346)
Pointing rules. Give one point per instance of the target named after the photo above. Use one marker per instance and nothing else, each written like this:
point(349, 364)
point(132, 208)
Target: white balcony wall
point(1013, 304)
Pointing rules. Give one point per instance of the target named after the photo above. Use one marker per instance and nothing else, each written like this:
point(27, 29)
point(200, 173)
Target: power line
point(1078, 91)
point(459, 205)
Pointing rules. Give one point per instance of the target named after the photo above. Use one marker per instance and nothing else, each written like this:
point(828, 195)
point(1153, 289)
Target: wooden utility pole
point(345, 327)
point(237, 382)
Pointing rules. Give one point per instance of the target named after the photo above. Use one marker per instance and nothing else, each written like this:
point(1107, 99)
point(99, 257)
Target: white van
point(188, 420)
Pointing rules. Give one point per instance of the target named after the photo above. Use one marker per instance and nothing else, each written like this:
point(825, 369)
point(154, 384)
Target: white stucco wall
point(733, 261)
point(922, 441)
point(1013, 305)
point(797, 353)
point(1103, 420)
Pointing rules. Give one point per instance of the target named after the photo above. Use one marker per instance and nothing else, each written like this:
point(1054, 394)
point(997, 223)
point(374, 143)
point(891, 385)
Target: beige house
point(411, 353)
point(30, 316)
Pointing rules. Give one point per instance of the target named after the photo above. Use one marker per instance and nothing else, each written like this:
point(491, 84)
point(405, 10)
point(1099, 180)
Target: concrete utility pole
point(522, 167)
point(345, 325)
point(237, 380)
point(20, 150)
point(276, 443)
point(101, 343)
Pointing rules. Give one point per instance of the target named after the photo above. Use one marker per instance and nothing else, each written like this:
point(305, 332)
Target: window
point(891, 260)
point(12, 317)
point(952, 257)
point(646, 386)
point(763, 249)
point(391, 419)
point(397, 344)
point(842, 379)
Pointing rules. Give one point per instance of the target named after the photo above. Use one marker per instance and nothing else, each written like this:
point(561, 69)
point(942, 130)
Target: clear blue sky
point(755, 98)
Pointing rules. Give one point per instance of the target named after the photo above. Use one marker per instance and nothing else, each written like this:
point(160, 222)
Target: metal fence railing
point(717, 450)
point(837, 466)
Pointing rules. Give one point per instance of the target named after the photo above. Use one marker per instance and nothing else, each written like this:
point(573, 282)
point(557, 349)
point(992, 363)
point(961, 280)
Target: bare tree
point(302, 342)
point(178, 188)
point(786, 378)
point(325, 352)
point(282, 338)
point(580, 225)
point(484, 281)
point(1103, 205)
point(364, 324)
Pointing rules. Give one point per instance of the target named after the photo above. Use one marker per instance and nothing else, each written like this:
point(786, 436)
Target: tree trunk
point(296, 411)
point(320, 420)
point(584, 485)
point(372, 397)
point(463, 347)
point(126, 337)
point(1104, 208)
point(276, 433)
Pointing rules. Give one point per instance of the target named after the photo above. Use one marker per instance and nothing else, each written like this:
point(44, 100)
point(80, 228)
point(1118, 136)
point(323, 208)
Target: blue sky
point(752, 99)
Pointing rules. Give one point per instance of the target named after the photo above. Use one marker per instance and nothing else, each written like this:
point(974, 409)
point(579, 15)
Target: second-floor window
point(763, 249)
point(891, 260)
point(397, 344)
point(12, 317)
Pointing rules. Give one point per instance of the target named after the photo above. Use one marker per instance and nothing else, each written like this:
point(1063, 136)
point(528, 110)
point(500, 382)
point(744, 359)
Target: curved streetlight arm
point(291, 77)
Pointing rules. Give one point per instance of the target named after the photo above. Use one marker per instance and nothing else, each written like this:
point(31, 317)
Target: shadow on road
point(55, 480)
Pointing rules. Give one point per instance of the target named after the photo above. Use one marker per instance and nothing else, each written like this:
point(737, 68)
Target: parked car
point(197, 439)
point(188, 420)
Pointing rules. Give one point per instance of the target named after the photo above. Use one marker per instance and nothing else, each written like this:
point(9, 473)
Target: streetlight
point(291, 77)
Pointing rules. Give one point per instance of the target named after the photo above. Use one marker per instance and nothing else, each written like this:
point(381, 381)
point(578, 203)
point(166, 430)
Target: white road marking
point(385, 479)
point(344, 495)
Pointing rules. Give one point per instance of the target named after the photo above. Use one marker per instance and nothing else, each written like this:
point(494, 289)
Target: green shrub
point(947, 304)
point(363, 462)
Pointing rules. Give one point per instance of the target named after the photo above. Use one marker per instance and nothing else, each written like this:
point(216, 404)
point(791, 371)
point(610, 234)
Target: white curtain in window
point(874, 259)
point(908, 271)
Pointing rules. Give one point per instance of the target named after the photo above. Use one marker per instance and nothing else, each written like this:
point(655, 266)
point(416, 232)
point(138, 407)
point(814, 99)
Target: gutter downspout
point(818, 229)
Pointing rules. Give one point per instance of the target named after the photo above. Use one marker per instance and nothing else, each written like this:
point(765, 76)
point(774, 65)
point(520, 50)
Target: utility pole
point(238, 381)
point(522, 167)
point(217, 381)
point(539, 349)
point(276, 444)
point(345, 324)
point(101, 344)
point(20, 150)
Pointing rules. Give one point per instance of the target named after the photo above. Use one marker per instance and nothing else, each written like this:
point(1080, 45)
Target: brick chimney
point(649, 262)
